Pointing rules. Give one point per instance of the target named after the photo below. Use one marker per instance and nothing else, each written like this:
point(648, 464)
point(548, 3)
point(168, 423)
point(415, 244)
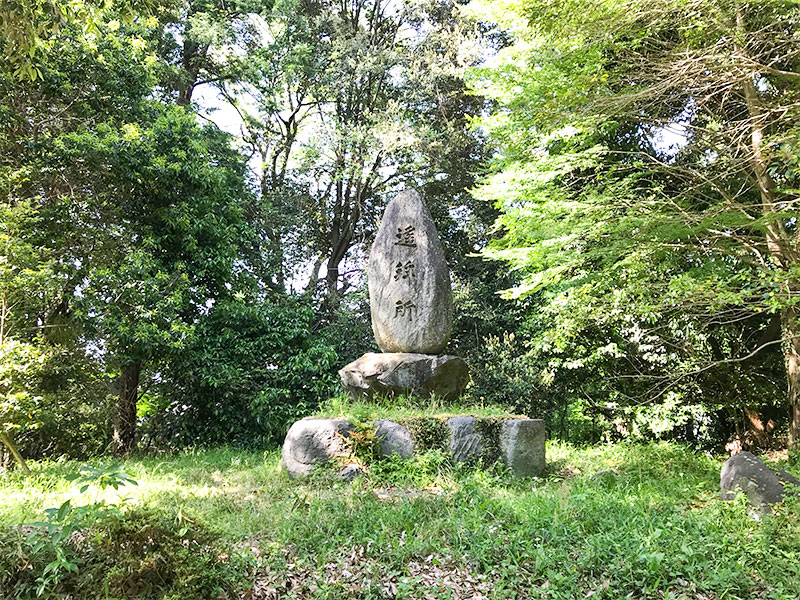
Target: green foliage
point(133, 216)
point(362, 443)
point(250, 372)
point(53, 400)
point(489, 430)
point(52, 539)
point(345, 106)
point(636, 256)
point(428, 433)
point(401, 407)
point(27, 26)
point(103, 477)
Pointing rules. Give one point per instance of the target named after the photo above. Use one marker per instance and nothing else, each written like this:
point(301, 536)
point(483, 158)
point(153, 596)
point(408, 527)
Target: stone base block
point(465, 440)
point(311, 442)
point(394, 439)
point(521, 445)
point(421, 375)
point(518, 442)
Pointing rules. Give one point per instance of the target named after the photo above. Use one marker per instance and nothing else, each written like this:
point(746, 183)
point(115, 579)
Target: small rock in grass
point(748, 473)
point(604, 476)
point(349, 472)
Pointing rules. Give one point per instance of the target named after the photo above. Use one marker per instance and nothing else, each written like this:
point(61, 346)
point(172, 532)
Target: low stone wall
point(518, 442)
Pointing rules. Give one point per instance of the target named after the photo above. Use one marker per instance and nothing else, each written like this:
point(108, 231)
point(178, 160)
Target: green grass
point(403, 407)
point(231, 524)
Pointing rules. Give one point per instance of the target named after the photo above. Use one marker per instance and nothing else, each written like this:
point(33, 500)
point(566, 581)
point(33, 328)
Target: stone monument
point(411, 305)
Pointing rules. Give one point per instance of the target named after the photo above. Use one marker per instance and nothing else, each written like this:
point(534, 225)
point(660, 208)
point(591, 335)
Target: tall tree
point(177, 215)
point(196, 42)
point(86, 80)
point(604, 216)
point(142, 207)
point(344, 103)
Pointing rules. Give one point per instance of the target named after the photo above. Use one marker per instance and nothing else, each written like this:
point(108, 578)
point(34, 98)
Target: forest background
point(623, 173)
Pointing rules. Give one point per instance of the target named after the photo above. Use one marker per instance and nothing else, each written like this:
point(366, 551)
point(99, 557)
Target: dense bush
point(54, 401)
point(251, 371)
point(140, 555)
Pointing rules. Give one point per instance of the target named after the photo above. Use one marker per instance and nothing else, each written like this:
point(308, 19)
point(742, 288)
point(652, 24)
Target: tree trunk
point(791, 354)
point(125, 419)
point(190, 64)
point(340, 244)
point(779, 243)
point(9, 443)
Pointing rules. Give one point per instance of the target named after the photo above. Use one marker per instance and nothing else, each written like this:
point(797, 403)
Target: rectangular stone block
point(522, 446)
point(465, 441)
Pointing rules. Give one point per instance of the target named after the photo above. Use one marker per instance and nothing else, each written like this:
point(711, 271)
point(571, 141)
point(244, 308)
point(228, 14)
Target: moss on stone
point(428, 433)
point(489, 430)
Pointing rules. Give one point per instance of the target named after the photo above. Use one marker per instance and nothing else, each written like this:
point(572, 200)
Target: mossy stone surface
point(517, 441)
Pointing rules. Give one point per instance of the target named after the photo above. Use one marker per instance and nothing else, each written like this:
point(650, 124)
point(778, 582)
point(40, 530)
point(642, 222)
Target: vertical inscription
point(405, 236)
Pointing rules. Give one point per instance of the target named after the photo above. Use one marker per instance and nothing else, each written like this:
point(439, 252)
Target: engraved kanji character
point(405, 309)
point(405, 237)
point(405, 271)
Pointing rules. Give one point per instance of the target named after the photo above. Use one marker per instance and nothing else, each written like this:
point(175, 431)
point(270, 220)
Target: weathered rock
point(465, 440)
point(391, 374)
point(394, 439)
point(310, 442)
point(748, 473)
point(349, 472)
point(786, 478)
point(410, 298)
point(521, 444)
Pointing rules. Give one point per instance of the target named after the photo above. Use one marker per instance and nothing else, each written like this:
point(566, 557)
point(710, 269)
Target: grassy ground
point(403, 407)
point(230, 524)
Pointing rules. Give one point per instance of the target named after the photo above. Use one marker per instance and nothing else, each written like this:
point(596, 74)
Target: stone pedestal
point(390, 374)
point(516, 441)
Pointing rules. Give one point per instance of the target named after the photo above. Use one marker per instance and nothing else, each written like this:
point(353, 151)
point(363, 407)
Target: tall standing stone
point(409, 283)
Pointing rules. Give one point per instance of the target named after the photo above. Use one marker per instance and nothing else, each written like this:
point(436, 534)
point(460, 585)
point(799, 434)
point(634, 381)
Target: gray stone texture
point(522, 448)
point(394, 439)
point(349, 472)
point(748, 473)
point(390, 374)
point(313, 441)
point(465, 440)
point(410, 298)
